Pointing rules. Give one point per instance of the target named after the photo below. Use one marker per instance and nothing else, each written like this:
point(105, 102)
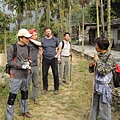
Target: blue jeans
point(104, 109)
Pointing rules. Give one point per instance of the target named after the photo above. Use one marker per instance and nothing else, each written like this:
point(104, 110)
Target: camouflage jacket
point(104, 66)
point(102, 59)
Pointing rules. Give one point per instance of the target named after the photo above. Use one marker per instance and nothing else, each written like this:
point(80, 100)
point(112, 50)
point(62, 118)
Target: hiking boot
point(35, 101)
point(27, 114)
point(44, 91)
point(65, 82)
point(56, 92)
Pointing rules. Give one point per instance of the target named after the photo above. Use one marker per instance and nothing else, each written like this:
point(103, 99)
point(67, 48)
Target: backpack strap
point(63, 44)
point(108, 57)
point(54, 38)
point(14, 50)
point(28, 52)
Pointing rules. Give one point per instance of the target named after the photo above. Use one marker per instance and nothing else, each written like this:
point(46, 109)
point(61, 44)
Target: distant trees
point(5, 20)
point(83, 3)
point(60, 15)
point(115, 11)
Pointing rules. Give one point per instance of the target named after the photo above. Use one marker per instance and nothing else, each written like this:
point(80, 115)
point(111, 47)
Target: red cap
point(32, 31)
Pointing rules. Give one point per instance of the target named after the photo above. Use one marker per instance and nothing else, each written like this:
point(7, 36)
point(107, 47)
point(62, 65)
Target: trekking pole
point(40, 63)
point(70, 67)
point(92, 99)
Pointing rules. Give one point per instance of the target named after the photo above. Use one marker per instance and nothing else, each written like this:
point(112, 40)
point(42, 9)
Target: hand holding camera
point(25, 65)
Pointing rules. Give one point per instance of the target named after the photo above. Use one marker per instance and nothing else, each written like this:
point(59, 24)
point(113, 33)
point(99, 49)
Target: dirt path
point(70, 104)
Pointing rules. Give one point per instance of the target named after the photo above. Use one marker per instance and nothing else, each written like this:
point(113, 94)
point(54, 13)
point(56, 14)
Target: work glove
point(26, 66)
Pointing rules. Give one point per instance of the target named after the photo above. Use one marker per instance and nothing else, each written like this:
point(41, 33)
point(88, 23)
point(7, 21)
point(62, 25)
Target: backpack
point(116, 75)
point(63, 44)
point(7, 67)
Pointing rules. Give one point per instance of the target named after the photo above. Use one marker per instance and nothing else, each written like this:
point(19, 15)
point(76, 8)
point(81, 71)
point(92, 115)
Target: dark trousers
point(46, 63)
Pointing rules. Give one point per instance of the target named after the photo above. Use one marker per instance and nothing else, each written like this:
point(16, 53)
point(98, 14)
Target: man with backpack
point(63, 59)
point(18, 61)
point(51, 50)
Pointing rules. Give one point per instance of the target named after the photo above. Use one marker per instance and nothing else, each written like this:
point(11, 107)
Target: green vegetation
point(60, 12)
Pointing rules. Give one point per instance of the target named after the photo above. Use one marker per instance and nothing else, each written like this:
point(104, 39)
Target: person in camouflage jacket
point(104, 65)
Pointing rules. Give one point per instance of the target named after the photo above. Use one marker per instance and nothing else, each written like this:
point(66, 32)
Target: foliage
point(59, 10)
point(115, 11)
point(5, 20)
point(76, 14)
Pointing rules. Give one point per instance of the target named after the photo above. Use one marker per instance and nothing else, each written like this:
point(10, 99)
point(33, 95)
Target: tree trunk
point(83, 31)
point(27, 17)
point(5, 32)
point(109, 23)
point(36, 15)
point(98, 31)
point(61, 20)
point(102, 20)
point(70, 2)
point(69, 26)
point(48, 13)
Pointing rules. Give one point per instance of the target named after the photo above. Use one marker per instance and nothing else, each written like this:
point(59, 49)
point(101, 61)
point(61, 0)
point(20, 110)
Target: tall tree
point(36, 14)
point(70, 2)
point(109, 23)
point(97, 12)
point(115, 10)
point(5, 32)
point(19, 7)
point(102, 19)
point(48, 12)
point(82, 3)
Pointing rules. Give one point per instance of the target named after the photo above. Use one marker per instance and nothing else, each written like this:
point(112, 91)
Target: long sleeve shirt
point(16, 68)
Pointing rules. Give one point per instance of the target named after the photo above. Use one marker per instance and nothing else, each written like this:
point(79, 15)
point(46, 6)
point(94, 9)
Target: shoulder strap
point(108, 57)
point(14, 50)
point(28, 50)
point(70, 42)
point(54, 38)
point(62, 44)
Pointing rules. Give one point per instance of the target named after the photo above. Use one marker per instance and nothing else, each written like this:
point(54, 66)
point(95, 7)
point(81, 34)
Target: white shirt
point(66, 49)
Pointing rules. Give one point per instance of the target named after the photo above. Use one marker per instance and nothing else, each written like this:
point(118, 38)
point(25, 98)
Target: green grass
point(2, 68)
